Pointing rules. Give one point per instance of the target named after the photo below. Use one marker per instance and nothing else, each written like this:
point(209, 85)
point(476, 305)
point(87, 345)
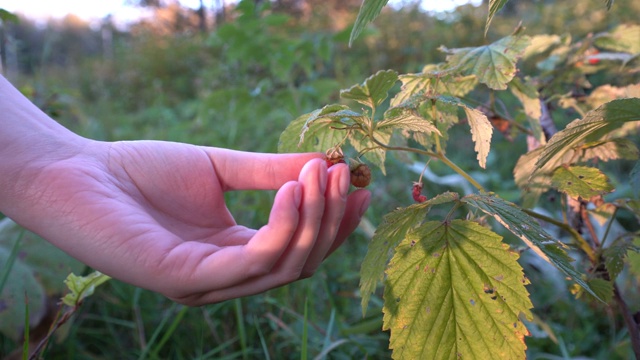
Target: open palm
point(153, 214)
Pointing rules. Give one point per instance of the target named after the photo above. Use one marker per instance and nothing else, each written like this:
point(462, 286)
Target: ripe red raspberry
point(360, 174)
point(416, 192)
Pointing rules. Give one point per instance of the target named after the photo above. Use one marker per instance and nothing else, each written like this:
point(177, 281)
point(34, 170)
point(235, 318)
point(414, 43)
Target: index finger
point(241, 170)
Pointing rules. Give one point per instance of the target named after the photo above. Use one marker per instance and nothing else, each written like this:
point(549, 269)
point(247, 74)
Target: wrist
point(29, 140)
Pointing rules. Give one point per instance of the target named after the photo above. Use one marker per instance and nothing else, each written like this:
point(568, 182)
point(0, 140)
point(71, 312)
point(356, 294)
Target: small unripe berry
point(334, 156)
point(360, 174)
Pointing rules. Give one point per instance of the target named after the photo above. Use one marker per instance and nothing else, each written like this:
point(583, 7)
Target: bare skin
point(152, 213)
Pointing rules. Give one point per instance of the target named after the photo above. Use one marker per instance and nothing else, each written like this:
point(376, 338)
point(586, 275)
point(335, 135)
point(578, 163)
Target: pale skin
point(152, 213)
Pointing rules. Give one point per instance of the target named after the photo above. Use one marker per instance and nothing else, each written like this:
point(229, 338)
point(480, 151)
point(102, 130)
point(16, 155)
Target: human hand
point(153, 214)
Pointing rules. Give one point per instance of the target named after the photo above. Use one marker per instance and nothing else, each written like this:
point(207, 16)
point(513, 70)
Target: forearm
point(29, 139)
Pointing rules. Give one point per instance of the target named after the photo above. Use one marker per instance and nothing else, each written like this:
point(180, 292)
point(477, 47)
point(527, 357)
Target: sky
point(97, 9)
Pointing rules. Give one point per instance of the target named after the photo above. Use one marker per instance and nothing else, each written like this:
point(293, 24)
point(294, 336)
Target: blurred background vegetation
point(235, 78)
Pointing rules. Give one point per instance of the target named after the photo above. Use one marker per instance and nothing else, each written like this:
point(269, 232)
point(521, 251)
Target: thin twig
point(634, 333)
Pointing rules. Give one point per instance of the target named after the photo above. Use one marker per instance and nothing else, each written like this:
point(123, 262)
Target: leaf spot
point(473, 302)
point(436, 254)
point(499, 277)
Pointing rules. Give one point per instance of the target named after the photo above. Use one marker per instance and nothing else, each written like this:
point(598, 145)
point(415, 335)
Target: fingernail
point(364, 206)
point(297, 195)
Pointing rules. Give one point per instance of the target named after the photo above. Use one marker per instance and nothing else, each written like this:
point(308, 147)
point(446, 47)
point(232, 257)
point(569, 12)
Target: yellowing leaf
point(623, 38)
point(407, 119)
point(610, 150)
point(455, 291)
point(529, 231)
point(481, 131)
point(432, 82)
point(494, 64)
point(372, 151)
point(593, 127)
point(393, 229)
point(581, 181)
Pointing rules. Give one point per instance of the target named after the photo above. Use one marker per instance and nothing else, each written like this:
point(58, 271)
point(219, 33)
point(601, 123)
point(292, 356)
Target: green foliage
point(234, 86)
point(36, 274)
point(369, 10)
point(441, 266)
point(82, 286)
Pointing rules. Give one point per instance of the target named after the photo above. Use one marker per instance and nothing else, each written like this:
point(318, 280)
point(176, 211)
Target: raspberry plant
point(452, 287)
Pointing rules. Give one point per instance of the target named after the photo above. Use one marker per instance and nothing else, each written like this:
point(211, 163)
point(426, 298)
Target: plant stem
point(634, 332)
point(440, 156)
point(582, 243)
point(461, 172)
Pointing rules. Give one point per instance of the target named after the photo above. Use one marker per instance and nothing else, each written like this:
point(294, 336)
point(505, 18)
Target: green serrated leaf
point(431, 83)
point(374, 90)
point(615, 254)
point(494, 7)
point(529, 231)
point(393, 229)
point(581, 181)
point(82, 287)
point(369, 10)
point(454, 290)
point(494, 65)
point(593, 127)
point(623, 38)
point(602, 287)
point(311, 132)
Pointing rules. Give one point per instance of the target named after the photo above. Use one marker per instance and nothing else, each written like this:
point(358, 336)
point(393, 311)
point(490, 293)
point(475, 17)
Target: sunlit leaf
point(481, 131)
point(454, 290)
point(494, 7)
point(623, 38)
point(393, 229)
point(593, 127)
point(494, 64)
point(581, 181)
point(82, 286)
point(433, 82)
point(374, 90)
point(540, 44)
point(528, 95)
point(369, 10)
point(613, 149)
point(529, 231)
point(532, 186)
point(407, 119)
